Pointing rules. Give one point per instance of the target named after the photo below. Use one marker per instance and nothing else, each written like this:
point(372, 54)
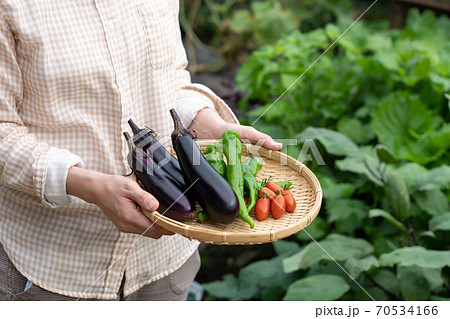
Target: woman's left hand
point(209, 125)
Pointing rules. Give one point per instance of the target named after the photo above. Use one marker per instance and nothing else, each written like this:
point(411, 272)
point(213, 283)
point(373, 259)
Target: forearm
point(84, 183)
point(118, 197)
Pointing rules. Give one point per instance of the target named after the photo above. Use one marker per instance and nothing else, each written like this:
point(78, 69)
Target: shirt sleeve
point(26, 164)
point(192, 97)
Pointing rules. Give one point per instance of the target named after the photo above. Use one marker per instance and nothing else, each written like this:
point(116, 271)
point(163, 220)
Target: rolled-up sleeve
point(26, 164)
point(192, 97)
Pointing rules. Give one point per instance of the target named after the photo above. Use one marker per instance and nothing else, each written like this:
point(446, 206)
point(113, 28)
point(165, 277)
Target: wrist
point(208, 124)
point(83, 183)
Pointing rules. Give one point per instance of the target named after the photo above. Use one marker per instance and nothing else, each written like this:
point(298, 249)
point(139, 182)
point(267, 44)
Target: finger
point(157, 231)
point(257, 137)
point(142, 225)
point(144, 199)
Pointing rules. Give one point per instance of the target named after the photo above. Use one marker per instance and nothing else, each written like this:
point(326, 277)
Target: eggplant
point(209, 188)
point(173, 202)
point(145, 139)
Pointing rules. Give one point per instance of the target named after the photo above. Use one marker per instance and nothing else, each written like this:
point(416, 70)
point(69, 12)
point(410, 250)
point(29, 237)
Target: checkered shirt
point(72, 72)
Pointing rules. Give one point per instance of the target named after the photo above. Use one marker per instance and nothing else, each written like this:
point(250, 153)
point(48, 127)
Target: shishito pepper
point(214, 155)
point(251, 167)
point(232, 148)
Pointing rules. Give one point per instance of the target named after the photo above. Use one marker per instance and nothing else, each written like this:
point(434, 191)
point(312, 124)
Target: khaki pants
point(172, 287)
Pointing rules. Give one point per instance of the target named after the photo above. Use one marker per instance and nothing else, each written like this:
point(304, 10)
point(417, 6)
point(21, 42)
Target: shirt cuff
point(208, 96)
point(58, 164)
point(189, 105)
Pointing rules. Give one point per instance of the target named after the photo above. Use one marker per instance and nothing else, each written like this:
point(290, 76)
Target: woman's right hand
point(118, 197)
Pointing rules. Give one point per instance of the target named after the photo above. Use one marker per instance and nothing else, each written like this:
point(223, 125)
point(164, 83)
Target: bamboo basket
point(306, 191)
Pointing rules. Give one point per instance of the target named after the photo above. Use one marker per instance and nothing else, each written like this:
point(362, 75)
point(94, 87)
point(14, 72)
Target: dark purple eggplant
point(172, 201)
point(209, 188)
point(146, 140)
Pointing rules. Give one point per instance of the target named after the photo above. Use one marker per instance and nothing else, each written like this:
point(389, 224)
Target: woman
point(72, 73)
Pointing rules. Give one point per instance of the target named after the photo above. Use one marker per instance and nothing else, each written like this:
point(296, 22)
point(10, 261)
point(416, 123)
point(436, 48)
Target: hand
point(118, 198)
point(208, 124)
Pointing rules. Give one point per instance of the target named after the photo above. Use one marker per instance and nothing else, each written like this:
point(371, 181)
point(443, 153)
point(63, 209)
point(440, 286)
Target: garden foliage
point(377, 105)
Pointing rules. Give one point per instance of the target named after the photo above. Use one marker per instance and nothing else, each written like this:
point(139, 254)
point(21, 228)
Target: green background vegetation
point(377, 105)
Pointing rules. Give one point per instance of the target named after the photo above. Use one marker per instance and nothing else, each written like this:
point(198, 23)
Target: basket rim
point(223, 237)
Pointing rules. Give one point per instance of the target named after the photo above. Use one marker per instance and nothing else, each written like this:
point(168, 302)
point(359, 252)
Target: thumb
point(143, 198)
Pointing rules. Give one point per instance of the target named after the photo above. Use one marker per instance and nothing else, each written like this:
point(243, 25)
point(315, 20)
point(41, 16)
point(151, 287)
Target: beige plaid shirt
point(72, 72)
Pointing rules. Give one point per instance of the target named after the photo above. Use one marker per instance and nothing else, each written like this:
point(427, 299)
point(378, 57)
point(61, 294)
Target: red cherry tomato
point(273, 186)
point(265, 192)
point(278, 206)
point(262, 208)
point(290, 201)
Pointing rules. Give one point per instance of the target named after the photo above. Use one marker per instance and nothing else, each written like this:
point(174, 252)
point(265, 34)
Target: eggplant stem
point(178, 126)
point(133, 126)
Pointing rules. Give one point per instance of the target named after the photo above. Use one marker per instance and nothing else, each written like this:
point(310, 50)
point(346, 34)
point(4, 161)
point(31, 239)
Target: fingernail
point(151, 205)
point(276, 143)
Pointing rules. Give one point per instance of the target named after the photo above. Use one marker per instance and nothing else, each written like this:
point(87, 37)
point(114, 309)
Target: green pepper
point(251, 167)
point(232, 148)
point(202, 217)
point(214, 155)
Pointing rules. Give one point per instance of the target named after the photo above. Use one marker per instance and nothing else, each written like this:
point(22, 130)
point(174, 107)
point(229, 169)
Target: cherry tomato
point(290, 201)
point(278, 206)
point(262, 208)
point(246, 200)
point(273, 186)
point(265, 190)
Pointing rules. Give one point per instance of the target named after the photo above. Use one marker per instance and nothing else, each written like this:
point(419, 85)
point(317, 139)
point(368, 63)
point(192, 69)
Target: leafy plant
point(232, 28)
point(377, 104)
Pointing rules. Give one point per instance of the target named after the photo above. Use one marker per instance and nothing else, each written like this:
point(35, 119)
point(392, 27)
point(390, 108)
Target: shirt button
point(110, 26)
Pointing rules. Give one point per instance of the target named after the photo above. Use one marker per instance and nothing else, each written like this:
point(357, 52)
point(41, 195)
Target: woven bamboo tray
point(306, 191)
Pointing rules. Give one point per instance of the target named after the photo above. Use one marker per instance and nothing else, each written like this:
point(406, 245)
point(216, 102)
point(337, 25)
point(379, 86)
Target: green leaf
point(391, 219)
point(348, 213)
point(410, 172)
point(242, 21)
point(333, 190)
point(415, 282)
point(372, 292)
point(427, 233)
point(386, 279)
point(441, 138)
point(397, 195)
point(261, 276)
point(284, 247)
point(356, 266)
point(388, 59)
point(436, 178)
point(419, 256)
point(334, 142)
point(226, 288)
point(438, 298)
point(354, 129)
point(269, 14)
point(385, 155)
point(316, 230)
point(318, 287)
point(400, 122)
point(441, 222)
point(334, 247)
point(366, 164)
point(432, 202)
point(378, 41)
